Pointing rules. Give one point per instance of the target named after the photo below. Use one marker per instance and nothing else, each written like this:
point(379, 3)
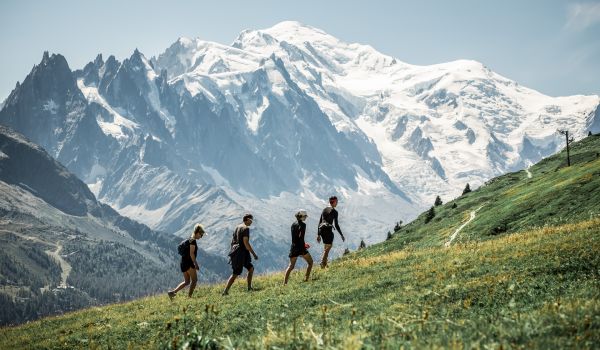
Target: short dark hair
point(332, 198)
point(248, 216)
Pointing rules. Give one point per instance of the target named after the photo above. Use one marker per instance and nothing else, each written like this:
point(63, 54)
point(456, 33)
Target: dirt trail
point(472, 216)
point(64, 265)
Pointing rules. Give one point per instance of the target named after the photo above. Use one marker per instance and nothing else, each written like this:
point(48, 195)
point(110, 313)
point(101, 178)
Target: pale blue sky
point(550, 45)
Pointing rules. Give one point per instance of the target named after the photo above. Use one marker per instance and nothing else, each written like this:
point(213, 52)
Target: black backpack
point(184, 247)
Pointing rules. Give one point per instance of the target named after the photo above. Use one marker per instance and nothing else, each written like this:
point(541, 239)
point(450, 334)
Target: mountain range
point(63, 250)
point(280, 120)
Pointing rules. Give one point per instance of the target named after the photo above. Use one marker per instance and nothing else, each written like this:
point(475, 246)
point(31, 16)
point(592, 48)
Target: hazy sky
point(549, 45)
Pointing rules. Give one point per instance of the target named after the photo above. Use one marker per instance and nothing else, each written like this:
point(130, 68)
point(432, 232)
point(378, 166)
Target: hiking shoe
point(224, 293)
point(171, 295)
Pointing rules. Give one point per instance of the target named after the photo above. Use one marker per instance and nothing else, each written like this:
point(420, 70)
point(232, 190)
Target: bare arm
point(193, 256)
point(249, 248)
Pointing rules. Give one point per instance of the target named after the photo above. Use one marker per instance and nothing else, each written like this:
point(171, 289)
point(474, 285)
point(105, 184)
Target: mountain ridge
point(63, 250)
point(280, 121)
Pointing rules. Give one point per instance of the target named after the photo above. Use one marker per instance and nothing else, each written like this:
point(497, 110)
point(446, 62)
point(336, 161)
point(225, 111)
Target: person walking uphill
point(239, 254)
point(188, 250)
point(328, 220)
point(299, 247)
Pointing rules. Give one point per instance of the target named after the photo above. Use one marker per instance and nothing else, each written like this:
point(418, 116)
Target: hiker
point(239, 254)
point(327, 222)
point(188, 250)
point(299, 247)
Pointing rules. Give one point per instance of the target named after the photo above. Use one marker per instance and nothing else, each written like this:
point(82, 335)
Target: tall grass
point(538, 288)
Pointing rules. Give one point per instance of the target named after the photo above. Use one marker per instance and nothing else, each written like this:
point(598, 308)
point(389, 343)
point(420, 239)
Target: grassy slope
point(538, 286)
point(555, 194)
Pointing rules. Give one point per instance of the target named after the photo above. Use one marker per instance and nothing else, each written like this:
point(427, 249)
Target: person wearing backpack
point(239, 253)
point(299, 247)
point(188, 249)
point(328, 220)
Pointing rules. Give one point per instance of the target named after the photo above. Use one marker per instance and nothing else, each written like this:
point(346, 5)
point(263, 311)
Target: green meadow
point(524, 273)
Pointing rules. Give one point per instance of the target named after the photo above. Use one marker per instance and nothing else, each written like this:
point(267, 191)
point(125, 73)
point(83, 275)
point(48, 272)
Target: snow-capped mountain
point(279, 120)
point(435, 127)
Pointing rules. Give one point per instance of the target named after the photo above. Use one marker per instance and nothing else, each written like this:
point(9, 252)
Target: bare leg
point(309, 261)
point(249, 278)
point(325, 255)
point(289, 269)
point(186, 281)
point(229, 283)
point(194, 280)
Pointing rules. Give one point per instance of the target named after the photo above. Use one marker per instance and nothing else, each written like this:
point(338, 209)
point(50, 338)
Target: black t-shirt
point(192, 243)
point(240, 232)
point(330, 216)
point(298, 231)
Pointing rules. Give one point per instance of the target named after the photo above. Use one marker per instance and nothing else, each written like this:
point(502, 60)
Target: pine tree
point(438, 201)
point(362, 244)
point(398, 226)
point(590, 133)
point(389, 236)
point(454, 205)
point(467, 189)
point(430, 215)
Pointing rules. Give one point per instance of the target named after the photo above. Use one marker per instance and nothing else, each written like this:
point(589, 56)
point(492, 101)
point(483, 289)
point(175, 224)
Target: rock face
point(63, 250)
point(26, 165)
point(280, 120)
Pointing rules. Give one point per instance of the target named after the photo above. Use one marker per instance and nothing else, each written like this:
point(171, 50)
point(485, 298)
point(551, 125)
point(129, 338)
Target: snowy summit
point(280, 119)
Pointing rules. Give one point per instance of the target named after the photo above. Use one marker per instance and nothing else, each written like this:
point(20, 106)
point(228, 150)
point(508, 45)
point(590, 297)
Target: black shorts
point(240, 260)
point(186, 264)
point(297, 251)
point(326, 235)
